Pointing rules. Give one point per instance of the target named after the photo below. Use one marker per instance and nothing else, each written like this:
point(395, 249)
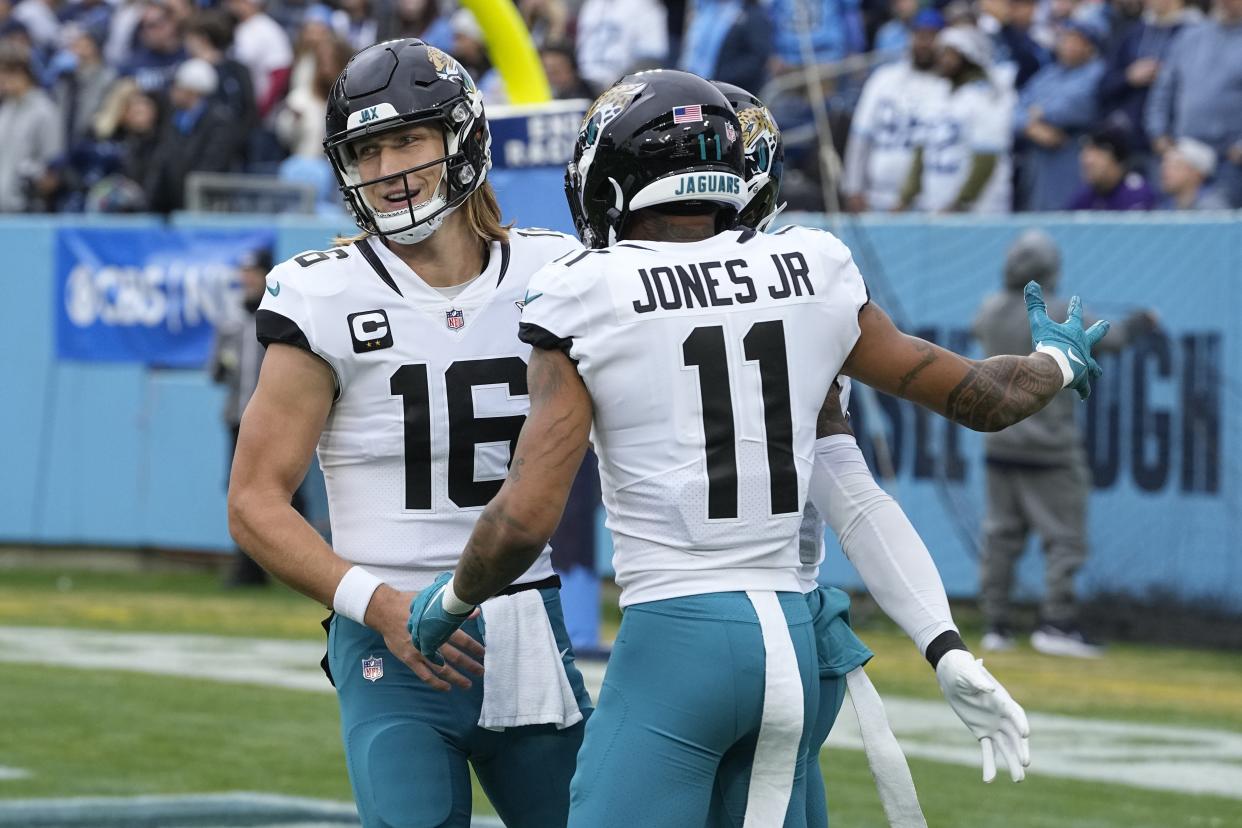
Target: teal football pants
point(407, 746)
point(684, 695)
point(839, 650)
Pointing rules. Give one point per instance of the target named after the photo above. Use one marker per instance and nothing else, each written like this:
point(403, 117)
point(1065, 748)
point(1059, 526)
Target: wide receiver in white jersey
point(696, 358)
point(894, 563)
point(398, 355)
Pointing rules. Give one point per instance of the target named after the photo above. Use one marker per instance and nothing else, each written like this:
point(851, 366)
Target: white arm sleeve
point(879, 541)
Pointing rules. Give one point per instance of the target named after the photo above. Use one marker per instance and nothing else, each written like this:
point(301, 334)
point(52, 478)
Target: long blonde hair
point(482, 212)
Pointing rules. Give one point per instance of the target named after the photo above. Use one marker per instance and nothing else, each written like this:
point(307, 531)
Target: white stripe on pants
point(780, 729)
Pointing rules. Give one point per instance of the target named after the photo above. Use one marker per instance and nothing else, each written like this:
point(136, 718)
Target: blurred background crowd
point(984, 106)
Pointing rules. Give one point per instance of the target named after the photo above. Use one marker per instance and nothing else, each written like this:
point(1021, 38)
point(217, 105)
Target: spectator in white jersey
point(702, 531)
point(963, 158)
point(895, 105)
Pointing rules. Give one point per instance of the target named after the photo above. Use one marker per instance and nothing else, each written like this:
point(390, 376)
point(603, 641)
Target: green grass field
point(82, 732)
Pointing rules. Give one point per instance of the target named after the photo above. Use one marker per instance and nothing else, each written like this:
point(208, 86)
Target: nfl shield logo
point(730, 133)
point(373, 668)
point(455, 319)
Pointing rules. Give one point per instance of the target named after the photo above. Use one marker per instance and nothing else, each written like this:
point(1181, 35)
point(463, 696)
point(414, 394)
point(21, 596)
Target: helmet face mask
point(663, 139)
point(394, 86)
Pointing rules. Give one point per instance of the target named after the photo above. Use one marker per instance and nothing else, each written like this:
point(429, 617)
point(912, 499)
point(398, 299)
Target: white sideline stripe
point(233, 808)
point(780, 726)
point(13, 773)
point(1156, 757)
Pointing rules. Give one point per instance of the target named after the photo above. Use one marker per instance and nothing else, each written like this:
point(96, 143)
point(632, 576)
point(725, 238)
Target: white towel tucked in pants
point(524, 679)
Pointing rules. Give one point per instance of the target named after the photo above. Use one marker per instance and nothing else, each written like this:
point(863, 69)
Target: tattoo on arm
point(515, 469)
point(488, 566)
point(998, 392)
point(929, 356)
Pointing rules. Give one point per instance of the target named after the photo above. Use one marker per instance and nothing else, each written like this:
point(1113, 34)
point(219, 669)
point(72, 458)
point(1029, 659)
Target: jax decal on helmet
point(661, 138)
point(765, 156)
point(395, 85)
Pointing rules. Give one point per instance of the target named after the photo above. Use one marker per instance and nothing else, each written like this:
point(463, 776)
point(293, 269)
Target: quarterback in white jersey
point(397, 356)
point(892, 112)
point(430, 394)
point(964, 159)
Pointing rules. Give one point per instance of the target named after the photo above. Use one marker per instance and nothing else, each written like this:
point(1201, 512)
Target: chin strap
point(771, 217)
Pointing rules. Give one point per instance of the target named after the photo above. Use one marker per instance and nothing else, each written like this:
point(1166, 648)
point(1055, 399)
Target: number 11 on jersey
point(704, 349)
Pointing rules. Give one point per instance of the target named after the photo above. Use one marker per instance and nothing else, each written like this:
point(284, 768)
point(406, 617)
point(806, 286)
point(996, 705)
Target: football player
point(697, 356)
point(878, 538)
point(397, 355)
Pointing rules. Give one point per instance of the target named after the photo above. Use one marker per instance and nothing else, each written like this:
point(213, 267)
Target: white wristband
point(354, 592)
point(453, 604)
point(1061, 359)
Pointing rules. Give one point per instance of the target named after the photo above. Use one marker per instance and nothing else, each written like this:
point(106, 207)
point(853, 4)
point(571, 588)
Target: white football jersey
point(974, 118)
point(431, 395)
point(707, 364)
point(892, 112)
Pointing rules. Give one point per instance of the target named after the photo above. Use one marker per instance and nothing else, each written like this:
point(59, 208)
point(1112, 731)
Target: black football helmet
point(765, 156)
point(396, 84)
point(661, 137)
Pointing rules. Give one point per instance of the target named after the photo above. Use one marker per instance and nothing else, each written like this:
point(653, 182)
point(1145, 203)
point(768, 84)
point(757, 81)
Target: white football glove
point(996, 720)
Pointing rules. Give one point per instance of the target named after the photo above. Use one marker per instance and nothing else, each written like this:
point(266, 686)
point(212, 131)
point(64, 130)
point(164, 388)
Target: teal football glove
point(1066, 342)
point(431, 624)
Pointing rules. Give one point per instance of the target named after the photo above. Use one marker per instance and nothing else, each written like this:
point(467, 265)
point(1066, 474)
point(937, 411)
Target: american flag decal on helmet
point(687, 114)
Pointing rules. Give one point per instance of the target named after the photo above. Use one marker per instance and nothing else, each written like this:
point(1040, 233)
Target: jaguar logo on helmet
point(606, 108)
point(756, 123)
point(761, 139)
point(447, 68)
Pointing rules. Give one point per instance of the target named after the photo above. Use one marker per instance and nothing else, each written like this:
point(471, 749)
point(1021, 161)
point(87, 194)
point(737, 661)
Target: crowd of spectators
point(965, 105)
point(1109, 105)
